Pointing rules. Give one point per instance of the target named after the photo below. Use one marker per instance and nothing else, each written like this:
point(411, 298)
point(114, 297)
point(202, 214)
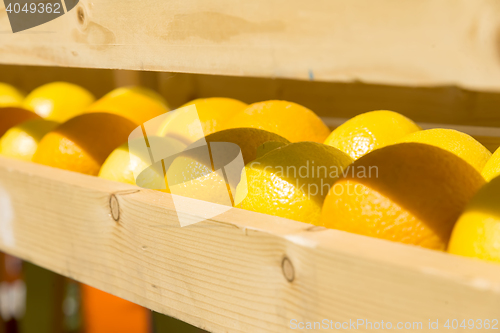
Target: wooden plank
point(226, 274)
point(416, 42)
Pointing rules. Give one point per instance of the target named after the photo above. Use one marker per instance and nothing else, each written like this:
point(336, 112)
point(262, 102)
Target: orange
point(369, 131)
point(290, 120)
point(212, 113)
point(21, 141)
point(137, 104)
point(266, 147)
point(83, 143)
point(10, 96)
point(58, 101)
point(492, 167)
point(249, 140)
point(411, 193)
point(477, 232)
point(196, 173)
point(11, 116)
point(131, 162)
point(215, 111)
point(458, 143)
point(291, 181)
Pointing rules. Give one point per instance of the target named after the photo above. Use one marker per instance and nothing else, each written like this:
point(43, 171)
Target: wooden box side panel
point(416, 43)
point(226, 274)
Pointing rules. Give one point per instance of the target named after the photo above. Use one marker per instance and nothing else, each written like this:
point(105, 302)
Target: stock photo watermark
point(325, 176)
point(25, 14)
point(365, 324)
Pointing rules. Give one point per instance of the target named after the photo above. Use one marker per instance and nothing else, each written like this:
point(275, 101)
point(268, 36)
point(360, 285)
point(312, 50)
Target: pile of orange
point(62, 125)
point(378, 174)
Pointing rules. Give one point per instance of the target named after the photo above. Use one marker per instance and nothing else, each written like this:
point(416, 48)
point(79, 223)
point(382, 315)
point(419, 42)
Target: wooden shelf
point(415, 43)
point(244, 271)
point(226, 274)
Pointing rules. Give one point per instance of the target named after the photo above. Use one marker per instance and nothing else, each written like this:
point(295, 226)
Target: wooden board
point(238, 272)
point(416, 42)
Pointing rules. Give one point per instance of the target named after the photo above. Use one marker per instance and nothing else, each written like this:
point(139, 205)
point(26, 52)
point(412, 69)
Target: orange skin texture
point(194, 170)
point(131, 104)
point(12, 116)
point(292, 121)
point(419, 193)
point(212, 114)
point(291, 194)
point(248, 139)
point(370, 131)
point(215, 111)
point(458, 143)
point(477, 232)
point(58, 101)
point(492, 167)
point(83, 143)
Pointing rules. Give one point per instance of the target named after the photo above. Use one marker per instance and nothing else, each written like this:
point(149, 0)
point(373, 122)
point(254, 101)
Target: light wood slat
point(225, 274)
point(415, 42)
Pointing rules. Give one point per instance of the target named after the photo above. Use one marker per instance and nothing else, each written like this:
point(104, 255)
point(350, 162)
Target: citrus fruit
point(127, 162)
point(21, 141)
point(409, 192)
point(213, 113)
point(458, 143)
point(10, 96)
point(369, 131)
point(198, 172)
point(11, 116)
point(291, 181)
point(83, 143)
point(492, 167)
point(290, 120)
point(266, 147)
point(137, 104)
point(477, 231)
point(58, 101)
point(249, 140)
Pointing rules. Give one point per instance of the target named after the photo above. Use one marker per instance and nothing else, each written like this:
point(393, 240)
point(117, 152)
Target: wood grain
point(415, 43)
point(225, 274)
